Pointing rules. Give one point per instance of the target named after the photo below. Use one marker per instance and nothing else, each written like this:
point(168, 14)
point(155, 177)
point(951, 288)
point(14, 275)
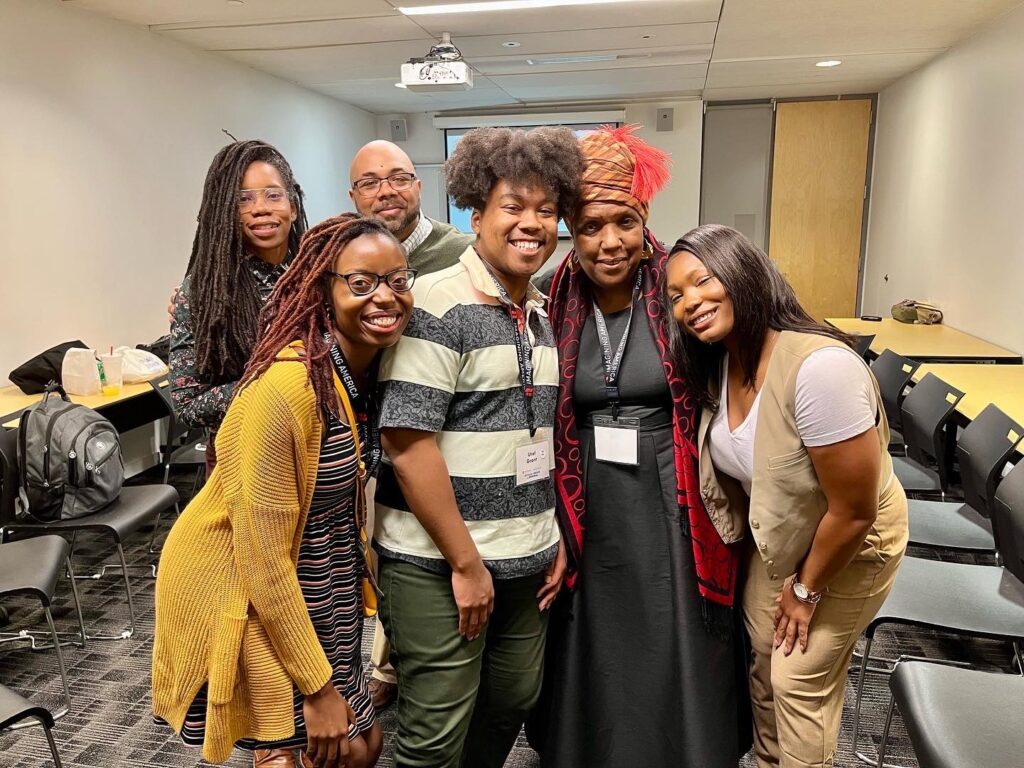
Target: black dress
point(633, 676)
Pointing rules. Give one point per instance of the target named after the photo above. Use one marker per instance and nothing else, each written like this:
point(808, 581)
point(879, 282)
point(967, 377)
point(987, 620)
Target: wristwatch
point(805, 595)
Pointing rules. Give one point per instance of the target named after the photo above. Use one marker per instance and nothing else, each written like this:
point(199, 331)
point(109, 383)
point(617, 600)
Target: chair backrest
point(893, 372)
point(863, 344)
point(8, 474)
point(1008, 520)
point(982, 451)
point(925, 412)
point(175, 428)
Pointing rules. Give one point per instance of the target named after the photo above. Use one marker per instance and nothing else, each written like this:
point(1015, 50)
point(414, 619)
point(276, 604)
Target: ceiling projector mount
point(442, 69)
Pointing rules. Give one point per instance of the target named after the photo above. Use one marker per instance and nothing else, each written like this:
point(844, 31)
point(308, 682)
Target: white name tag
point(534, 462)
point(616, 442)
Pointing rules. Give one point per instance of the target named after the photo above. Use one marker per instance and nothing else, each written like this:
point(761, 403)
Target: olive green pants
point(461, 704)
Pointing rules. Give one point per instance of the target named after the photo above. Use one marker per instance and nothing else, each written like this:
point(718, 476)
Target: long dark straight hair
point(762, 300)
point(222, 291)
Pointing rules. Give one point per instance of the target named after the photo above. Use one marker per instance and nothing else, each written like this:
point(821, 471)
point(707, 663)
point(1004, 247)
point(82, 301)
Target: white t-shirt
point(835, 400)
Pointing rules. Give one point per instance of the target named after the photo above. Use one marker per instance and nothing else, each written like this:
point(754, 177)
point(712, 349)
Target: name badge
point(534, 462)
point(616, 441)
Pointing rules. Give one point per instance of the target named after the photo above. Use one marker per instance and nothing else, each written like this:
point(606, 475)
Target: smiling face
point(609, 241)
point(700, 304)
point(265, 226)
point(367, 323)
point(398, 210)
point(517, 230)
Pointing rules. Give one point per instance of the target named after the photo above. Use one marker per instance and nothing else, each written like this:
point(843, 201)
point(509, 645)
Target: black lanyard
point(364, 407)
point(524, 351)
point(612, 363)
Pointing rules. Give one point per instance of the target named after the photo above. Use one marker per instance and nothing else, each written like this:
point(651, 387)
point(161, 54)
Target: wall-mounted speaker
point(399, 130)
point(666, 115)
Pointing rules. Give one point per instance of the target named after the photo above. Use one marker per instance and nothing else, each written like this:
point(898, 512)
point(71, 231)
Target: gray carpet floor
point(110, 723)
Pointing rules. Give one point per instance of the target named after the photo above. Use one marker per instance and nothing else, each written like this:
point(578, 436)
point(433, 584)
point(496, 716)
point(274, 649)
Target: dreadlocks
point(223, 293)
point(299, 307)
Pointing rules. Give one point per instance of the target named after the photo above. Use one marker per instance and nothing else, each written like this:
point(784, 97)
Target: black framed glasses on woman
point(365, 283)
point(370, 185)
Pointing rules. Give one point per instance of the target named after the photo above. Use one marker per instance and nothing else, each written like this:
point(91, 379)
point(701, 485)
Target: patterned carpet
point(110, 723)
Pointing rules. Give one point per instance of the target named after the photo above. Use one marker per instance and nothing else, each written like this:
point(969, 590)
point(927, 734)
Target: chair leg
point(885, 731)
point(156, 527)
point(123, 567)
point(53, 747)
point(60, 663)
point(860, 695)
point(77, 600)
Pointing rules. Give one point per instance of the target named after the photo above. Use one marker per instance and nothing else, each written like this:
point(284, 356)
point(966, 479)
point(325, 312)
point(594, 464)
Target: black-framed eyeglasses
point(365, 283)
point(371, 184)
point(274, 197)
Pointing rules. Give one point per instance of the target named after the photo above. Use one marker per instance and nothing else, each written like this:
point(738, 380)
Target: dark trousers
point(461, 704)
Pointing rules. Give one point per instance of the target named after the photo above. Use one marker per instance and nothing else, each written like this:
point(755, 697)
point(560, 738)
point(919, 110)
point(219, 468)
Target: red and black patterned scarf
point(570, 305)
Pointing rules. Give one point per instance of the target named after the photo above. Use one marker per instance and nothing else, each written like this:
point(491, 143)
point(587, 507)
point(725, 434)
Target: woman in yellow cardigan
point(258, 600)
point(793, 458)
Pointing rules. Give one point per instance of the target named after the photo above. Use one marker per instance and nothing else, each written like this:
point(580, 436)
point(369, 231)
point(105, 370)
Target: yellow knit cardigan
point(229, 609)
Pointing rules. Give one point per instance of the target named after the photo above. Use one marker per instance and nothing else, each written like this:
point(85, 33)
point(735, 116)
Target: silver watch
point(805, 595)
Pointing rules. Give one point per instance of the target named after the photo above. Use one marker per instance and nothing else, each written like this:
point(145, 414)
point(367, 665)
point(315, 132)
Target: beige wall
point(947, 209)
point(106, 135)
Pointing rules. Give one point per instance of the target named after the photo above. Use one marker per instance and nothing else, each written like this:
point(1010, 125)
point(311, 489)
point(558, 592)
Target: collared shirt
point(455, 373)
point(421, 233)
point(198, 403)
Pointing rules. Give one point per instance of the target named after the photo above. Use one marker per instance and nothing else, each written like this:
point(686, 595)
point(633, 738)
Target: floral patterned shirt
point(197, 403)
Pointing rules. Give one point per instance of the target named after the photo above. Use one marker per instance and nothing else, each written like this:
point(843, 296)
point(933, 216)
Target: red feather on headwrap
point(651, 172)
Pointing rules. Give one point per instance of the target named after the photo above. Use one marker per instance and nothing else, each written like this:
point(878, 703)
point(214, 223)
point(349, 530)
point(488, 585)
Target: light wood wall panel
point(817, 205)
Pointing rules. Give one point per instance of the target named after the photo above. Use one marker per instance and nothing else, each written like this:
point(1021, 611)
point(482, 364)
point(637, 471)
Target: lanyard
point(367, 416)
point(613, 363)
point(524, 351)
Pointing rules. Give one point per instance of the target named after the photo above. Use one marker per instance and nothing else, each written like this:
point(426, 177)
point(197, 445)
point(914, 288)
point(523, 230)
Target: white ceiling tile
point(512, 65)
point(878, 67)
point(304, 34)
point(151, 12)
point(589, 40)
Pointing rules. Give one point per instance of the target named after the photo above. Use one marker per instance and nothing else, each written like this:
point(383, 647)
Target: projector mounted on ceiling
point(442, 69)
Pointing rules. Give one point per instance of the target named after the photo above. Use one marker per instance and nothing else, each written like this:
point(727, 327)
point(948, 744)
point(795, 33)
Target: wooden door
point(819, 173)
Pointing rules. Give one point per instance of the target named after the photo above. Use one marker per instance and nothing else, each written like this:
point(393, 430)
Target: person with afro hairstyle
point(471, 552)
point(259, 603)
point(249, 225)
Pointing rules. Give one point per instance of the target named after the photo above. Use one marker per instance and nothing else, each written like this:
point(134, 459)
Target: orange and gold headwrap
point(622, 168)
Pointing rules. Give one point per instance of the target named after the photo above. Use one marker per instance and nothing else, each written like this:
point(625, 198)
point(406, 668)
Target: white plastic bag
point(78, 372)
point(138, 365)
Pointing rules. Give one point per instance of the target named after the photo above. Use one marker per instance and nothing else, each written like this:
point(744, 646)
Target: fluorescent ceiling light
point(401, 85)
point(829, 63)
point(495, 5)
point(573, 59)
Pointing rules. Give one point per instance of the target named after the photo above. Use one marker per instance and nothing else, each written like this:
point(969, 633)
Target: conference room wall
point(675, 210)
point(106, 136)
point(947, 218)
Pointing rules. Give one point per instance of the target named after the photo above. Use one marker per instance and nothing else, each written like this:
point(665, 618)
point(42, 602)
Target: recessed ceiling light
point(646, 37)
point(511, 44)
point(829, 63)
point(401, 85)
point(236, 2)
point(494, 5)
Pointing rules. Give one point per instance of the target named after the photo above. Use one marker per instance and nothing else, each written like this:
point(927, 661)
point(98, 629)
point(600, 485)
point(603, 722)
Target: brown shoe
point(382, 693)
point(273, 758)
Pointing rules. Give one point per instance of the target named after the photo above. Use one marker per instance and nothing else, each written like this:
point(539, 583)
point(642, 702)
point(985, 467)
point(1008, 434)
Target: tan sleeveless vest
point(786, 501)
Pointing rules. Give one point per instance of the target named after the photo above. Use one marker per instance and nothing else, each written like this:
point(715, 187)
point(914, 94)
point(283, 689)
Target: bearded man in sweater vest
point(385, 187)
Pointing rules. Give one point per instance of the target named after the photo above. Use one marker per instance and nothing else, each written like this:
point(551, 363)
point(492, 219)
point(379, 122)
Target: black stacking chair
point(893, 374)
point(925, 412)
point(32, 568)
point(181, 449)
point(982, 451)
point(957, 718)
point(972, 600)
point(17, 712)
point(863, 344)
point(136, 507)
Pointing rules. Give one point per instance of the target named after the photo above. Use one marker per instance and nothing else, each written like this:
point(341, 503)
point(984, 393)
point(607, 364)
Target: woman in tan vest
point(792, 446)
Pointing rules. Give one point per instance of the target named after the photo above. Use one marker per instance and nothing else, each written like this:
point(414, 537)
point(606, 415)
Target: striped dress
point(330, 571)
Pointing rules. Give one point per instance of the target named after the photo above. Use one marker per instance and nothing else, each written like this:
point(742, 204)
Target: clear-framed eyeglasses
point(369, 186)
point(365, 283)
point(274, 197)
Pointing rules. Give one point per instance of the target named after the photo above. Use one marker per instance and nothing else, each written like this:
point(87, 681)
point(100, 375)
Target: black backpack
point(33, 375)
point(69, 458)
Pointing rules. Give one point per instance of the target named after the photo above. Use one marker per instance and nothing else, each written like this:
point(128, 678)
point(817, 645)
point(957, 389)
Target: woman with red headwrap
point(643, 656)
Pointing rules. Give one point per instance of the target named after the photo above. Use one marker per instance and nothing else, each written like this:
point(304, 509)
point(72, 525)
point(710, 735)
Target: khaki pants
point(798, 699)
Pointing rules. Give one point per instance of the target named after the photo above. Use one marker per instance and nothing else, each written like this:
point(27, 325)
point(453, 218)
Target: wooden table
point(981, 385)
point(926, 343)
point(135, 405)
